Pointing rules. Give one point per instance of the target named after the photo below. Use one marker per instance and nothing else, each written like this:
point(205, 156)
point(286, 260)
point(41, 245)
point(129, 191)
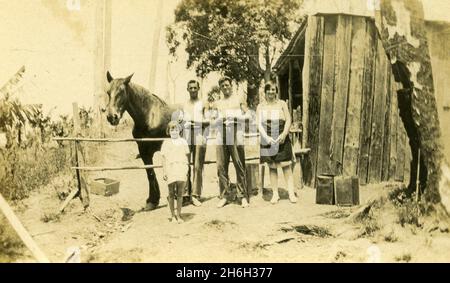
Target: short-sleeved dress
point(273, 121)
point(175, 152)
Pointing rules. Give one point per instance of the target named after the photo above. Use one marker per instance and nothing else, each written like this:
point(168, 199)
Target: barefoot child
point(175, 161)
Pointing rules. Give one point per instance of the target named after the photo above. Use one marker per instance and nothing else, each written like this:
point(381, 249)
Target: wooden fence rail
point(127, 140)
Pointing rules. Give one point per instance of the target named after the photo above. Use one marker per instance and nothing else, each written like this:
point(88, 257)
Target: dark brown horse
point(150, 115)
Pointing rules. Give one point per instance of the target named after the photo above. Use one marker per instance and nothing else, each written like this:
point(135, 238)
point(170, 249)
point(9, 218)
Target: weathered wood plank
point(387, 126)
point(324, 162)
point(370, 47)
point(379, 106)
point(6, 210)
point(352, 131)
point(341, 86)
point(394, 119)
point(312, 85)
point(80, 160)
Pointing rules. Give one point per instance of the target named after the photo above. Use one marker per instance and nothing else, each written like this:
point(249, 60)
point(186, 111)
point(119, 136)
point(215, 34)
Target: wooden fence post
point(80, 159)
point(82, 191)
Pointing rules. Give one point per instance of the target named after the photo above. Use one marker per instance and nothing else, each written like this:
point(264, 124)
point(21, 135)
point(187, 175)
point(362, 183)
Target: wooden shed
point(336, 70)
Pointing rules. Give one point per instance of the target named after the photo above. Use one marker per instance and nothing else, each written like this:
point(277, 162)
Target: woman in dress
point(274, 122)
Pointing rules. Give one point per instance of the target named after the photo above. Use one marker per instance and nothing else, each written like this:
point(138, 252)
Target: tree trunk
point(402, 30)
point(252, 95)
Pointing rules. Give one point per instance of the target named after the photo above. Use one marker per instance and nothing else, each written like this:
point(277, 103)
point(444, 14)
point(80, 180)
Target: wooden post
point(262, 170)
point(290, 78)
point(22, 232)
point(76, 119)
point(81, 176)
point(297, 170)
point(80, 160)
point(82, 190)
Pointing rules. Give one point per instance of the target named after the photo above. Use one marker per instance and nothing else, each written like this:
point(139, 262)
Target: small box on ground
point(104, 186)
point(325, 190)
point(346, 190)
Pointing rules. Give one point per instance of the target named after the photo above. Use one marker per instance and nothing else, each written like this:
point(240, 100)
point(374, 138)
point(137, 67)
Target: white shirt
point(193, 110)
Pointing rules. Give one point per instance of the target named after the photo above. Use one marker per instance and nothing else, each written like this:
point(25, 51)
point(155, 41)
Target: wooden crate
point(104, 186)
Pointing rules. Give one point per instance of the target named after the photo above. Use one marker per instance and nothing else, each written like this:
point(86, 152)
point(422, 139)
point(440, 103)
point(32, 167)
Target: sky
point(56, 46)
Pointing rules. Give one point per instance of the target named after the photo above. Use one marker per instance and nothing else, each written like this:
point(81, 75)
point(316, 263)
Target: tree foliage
point(238, 38)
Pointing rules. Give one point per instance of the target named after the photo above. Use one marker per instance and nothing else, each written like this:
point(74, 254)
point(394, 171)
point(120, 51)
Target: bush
point(408, 210)
point(24, 170)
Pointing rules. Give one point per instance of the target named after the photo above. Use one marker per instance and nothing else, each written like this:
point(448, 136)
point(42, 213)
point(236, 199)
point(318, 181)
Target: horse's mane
point(145, 95)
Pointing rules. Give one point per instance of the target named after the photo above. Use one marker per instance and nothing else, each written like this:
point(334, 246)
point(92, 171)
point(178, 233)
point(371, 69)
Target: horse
point(150, 115)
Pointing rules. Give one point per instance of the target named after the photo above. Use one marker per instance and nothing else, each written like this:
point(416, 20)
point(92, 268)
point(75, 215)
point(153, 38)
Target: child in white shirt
point(175, 161)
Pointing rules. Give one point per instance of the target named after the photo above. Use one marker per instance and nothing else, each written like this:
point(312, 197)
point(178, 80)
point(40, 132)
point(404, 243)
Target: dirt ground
point(301, 232)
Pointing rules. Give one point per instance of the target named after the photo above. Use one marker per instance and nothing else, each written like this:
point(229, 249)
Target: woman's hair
point(173, 124)
point(224, 79)
point(269, 84)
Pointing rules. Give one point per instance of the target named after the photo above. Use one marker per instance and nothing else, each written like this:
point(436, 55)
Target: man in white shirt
point(194, 126)
point(230, 143)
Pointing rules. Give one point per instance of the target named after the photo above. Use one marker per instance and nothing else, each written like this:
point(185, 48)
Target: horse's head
point(117, 98)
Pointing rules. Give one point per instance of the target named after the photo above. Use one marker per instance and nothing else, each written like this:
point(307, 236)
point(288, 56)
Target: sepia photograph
point(224, 131)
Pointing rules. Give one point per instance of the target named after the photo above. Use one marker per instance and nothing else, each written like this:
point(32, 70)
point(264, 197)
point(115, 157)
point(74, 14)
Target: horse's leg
point(146, 151)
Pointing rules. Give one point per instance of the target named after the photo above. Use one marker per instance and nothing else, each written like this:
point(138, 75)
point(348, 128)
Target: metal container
point(325, 190)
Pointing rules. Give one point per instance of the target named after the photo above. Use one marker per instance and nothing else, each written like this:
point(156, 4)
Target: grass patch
point(391, 237)
point(337, 214)
point(369, 226)
point(50, 217)
point(25, 170)
point(218, 224)
point(253, 246)
point(313, 230)
point(407, 209)
point(403, 258)
point(340, 255)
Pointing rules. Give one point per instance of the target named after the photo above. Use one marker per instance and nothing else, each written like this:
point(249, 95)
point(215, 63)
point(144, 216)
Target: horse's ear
point(128, 79)
point(109, 77)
